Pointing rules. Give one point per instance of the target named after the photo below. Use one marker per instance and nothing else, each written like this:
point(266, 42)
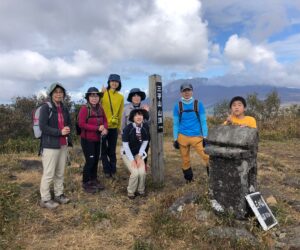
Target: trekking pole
point(100, 154)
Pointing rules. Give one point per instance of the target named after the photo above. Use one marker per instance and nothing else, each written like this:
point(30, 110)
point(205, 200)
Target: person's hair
point(238, 98)
point(139, 112)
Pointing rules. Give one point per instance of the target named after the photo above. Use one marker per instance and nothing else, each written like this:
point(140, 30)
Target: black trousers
point(109, 144)
point(91, 151)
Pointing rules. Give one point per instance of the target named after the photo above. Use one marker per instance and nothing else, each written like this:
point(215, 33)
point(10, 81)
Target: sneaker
point(142, 194)
point(61, 199)
point(50, 204)
point(97, 184)
point(131, 196)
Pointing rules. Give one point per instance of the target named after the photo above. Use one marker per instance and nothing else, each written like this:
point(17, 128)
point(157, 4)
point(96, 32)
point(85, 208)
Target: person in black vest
point(135, 140)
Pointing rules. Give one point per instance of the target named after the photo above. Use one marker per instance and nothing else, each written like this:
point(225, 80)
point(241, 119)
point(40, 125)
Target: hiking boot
point(107, 175)
point(88, 187)
point(61, 199)
point(114, 177)
point(97, 184)
point(131, 196)
point(50, 204)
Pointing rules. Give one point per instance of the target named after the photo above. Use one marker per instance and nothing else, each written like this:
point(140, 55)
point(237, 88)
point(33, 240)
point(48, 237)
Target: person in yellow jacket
point(113, 105)
point(237, 117)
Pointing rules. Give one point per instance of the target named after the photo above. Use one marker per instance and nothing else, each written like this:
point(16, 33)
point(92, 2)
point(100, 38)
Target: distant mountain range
point(212, 94)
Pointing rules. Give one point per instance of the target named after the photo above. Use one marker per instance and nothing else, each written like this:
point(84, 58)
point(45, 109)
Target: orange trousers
point(185, 143)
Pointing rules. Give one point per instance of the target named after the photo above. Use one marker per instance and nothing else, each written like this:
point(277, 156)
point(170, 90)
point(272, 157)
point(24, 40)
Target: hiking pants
point(186, 142)
point(109, 144)
point(91, 151)
point(54, 161)
point(137, 177)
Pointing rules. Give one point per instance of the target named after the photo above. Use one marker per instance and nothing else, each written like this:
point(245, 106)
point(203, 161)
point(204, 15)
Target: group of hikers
point(102, 119)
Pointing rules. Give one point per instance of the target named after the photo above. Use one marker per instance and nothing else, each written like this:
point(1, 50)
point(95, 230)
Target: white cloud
point(241, 51)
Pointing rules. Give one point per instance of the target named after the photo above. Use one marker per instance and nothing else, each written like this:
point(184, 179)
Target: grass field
point(109, 220)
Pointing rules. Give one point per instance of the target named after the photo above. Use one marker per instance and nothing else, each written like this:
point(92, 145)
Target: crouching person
point(55, 125)
point(135, 140)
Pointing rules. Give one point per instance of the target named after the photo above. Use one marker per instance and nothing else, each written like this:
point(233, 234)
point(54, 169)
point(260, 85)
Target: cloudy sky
point(79, 43)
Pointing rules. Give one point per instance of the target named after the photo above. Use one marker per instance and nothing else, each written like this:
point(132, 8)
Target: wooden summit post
point(156, 129)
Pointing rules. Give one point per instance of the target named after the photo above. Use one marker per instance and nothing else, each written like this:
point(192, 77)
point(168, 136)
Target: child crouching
point(135, 140)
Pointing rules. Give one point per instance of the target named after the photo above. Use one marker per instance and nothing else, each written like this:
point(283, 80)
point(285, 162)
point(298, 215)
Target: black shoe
point(88, 187)
point(107, 175)
point(98, 185)
point(188, 174)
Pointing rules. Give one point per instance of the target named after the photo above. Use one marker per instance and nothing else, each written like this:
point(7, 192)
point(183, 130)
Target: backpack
point(191, 110)
point(36, 120)
point(78, 129)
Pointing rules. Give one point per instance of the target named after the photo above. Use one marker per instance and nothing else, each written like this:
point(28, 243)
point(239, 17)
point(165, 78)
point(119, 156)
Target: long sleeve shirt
point(117, 103)
point(189, 124)
point(89, 122)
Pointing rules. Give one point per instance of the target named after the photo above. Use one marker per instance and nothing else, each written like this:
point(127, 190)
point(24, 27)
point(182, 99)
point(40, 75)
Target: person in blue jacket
point(189, 128)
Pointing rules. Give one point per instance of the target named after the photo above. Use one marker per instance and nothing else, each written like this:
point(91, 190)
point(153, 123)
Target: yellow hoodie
point(117, 103)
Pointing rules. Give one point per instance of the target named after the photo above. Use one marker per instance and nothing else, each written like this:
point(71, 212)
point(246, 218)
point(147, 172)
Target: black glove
point(204, 142)
point(176, 144)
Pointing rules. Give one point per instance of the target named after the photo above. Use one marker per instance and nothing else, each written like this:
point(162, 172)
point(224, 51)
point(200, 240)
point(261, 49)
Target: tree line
point(274, 120)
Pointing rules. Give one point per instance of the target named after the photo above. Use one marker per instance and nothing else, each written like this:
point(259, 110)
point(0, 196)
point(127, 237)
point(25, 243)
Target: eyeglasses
point(58, 92)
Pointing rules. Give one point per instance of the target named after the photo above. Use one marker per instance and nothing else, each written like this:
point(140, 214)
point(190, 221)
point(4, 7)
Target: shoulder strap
point(180, 105)
point(111, 108)
point(196, 109)
point(50, 108)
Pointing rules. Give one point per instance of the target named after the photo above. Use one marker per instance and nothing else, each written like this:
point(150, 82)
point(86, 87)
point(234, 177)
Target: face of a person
point(138, 118)
point(187, 93)
point(237, 108)
point(93, 99)
point(58, 95)
point(114, 85)
point(136, 99)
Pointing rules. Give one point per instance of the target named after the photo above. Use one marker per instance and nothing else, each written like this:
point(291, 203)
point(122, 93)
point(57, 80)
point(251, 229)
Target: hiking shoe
point(114, 177)
point(61, 199)
point(107, 175)
point(131, 196)
point(50, 204)
point(97, 184)
point(88, 187)
point(142, 194)
point(189, 181)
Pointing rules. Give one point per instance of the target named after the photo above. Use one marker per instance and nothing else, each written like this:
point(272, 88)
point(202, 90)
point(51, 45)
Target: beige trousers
point(186, 142)
point(137, 177)
point(54, 161)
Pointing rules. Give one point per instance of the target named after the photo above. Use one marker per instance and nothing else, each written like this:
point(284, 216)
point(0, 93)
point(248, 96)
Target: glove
point(204, 142)
point(176, 144)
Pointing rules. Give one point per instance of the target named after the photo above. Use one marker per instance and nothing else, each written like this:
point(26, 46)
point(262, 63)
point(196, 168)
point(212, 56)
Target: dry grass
point(109, 220)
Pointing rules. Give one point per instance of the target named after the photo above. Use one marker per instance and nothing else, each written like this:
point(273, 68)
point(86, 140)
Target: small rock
point(271, 200)
point(282, 235)
point(178, 205)
point(202, 215)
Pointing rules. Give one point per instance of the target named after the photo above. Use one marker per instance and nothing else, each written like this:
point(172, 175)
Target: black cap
point(136, 91)
point(186, 86)
point(92, 90)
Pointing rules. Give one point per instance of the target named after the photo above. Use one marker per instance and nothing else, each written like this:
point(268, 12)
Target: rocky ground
point(173, 216)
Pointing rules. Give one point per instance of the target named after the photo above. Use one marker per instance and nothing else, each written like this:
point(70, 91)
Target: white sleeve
point(128, 151)
point(143, 147)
